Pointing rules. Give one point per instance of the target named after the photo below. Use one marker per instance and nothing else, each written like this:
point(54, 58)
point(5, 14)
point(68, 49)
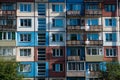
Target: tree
point(8, 71)
point(112, 71)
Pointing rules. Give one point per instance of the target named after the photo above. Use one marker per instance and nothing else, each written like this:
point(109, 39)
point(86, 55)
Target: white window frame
point(111, 49)
point(6, 52)
point(25, 38)
point(99, 51)
point(27, 25)
point(27, 10)
point(59, 7)
point(75, 64)
point(25, 54)
point(57, 53)
point(25, 68)
point(93, 66)
point(57, 40)
point(6, 35)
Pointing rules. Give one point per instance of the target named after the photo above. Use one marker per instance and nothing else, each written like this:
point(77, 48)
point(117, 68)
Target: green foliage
point(113, 71)
point(8, 71)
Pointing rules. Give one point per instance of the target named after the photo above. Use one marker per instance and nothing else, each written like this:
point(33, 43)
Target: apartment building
point(60, 39)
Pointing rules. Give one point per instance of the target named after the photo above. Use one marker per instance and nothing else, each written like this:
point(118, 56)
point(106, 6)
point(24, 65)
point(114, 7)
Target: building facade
point(60, 39)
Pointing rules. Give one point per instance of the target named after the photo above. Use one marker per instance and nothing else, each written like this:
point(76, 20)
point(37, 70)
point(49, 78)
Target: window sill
point(24, 41)
point(56, 12)
point(25, 27)
point(110, 56)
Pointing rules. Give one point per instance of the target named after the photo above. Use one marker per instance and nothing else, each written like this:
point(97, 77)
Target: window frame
point(22, 7)
point(60, 8)
point(81, 66)
point(57, 52)
point(109, 52)
point(55, 23)
point(5, 53)
point(59, 36)
point(26, 23)
point(94, 66)
point(25, 38)
point(57, 66)
point(24, 70)
point(25, 54)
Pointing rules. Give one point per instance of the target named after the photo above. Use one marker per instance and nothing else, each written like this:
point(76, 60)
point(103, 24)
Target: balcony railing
point(94, 57)
point(8, 27)
point(93, 12)
point(73, 13)
point(75, 42)
point(93, 0)
point(94, 42)
point(75, 28)
point(6, 12)
point(76, 73)
point(11, 58)
point(73, 58)
point(94, 28)
point(94, 74)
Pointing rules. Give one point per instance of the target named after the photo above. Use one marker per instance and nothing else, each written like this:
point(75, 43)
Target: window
point(110, 36)
point(94, 79)
point(94, 51)
point(73, 22)
point(8, 6)
point(57, 37)
point(75, 52)
point(10, 22)
point(57, 8)
point(25, 52)
point(75, 66)
point(57, 67)
point(57, 52)
point(74, 7)
point(93, 66)
point(90, 6)
point(6, 52)
point(25, 67)
point(73, 37)
point(110, 22)
point(110, 8)
point(25, 37)
point(58, 22)
point(93, 36)
point(25, 7)
point(92, 22)
point(111, 52)
point(25, 22)
point(7, 35)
